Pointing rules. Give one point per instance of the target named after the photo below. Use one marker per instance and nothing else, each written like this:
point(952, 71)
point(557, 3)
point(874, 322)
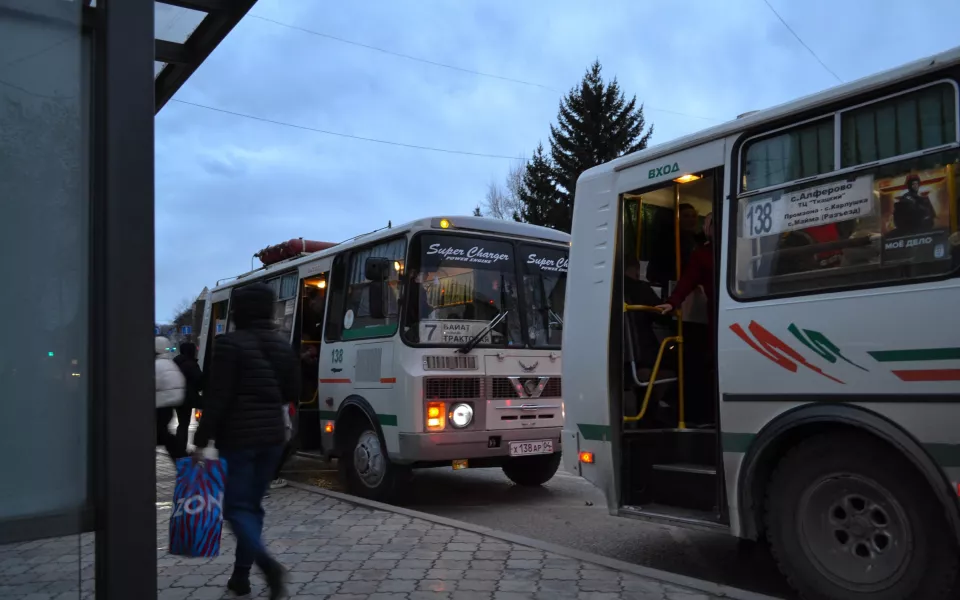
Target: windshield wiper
point(472, 343)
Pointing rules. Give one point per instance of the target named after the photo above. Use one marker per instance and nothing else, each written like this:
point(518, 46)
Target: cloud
point(228, 186)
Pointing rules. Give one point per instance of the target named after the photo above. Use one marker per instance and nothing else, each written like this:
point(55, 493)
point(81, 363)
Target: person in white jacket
point(171, 390)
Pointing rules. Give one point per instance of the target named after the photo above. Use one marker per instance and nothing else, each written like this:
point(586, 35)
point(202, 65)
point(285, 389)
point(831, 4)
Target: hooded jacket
point(186, 361)
point(253, 375)
point(171, 385)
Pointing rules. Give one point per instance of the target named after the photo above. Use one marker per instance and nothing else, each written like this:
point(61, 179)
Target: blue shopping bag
point(197, 519)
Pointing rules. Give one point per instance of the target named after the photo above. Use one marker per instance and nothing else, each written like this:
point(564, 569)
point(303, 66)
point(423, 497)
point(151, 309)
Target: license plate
point(527, 448)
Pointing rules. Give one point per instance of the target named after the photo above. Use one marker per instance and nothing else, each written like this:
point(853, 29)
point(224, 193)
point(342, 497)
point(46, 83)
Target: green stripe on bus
point(369, 332)
point(594, 432)
point(918, 354)
point(736, 442)
point(385, 420)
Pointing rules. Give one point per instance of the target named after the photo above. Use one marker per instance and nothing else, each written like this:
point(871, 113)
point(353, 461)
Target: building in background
point(80, 83)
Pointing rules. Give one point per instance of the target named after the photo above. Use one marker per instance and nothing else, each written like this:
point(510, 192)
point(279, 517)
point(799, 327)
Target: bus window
point(356, 322)
point(218, 326)
point(891, 223)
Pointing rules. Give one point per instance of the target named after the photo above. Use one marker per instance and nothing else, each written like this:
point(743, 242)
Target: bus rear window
point(892, 223)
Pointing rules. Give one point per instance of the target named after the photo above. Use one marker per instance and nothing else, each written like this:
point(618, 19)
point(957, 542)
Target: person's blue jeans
point(249, 473)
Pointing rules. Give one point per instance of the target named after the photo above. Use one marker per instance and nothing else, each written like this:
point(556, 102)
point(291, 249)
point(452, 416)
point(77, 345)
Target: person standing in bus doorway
point(255, 374)
point(187, 362)
point(662, 267)
point(170, 389)
point(698, 272)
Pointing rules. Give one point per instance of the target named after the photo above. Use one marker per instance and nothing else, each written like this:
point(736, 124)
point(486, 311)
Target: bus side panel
point(347, 369)
point(204, 332)
point(841, 347)
point(213, 298)
point(586, 341)
point(374, 379)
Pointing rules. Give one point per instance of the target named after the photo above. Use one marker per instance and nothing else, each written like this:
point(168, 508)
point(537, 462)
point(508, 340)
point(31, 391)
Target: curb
point(708, 587)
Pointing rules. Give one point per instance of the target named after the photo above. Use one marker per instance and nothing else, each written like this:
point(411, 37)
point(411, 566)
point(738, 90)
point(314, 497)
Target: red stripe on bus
point(334, 381)
point(388, 380)
point(929, 375)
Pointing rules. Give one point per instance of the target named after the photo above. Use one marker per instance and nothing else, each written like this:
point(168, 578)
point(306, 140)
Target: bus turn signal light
point(586, 458)
point(435, 416)
point(328, 428)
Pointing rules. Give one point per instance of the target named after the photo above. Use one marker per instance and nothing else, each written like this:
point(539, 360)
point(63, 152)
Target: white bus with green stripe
point(807, 393)
point(435, 343)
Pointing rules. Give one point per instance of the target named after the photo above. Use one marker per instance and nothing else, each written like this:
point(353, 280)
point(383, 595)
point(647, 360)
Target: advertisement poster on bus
point(915, 216)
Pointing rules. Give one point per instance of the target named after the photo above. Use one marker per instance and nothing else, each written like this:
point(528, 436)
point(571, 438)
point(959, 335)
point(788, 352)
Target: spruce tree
point(595, 124)
point(539, 200)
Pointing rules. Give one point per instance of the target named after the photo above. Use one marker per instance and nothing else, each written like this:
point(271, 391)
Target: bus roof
point(464, 224)
point(761, 117)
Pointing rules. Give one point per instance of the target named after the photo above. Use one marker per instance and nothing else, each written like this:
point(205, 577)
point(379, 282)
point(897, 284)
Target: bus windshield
point(459, 285)
point(544, 271)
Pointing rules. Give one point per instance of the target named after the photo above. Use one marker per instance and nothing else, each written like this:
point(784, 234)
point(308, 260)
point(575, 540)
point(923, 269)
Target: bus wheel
point(364, 465)
point(532, 470)
point(848, 518)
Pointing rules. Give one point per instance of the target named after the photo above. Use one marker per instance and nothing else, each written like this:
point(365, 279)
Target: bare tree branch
point(183, 312)
point(503, 201)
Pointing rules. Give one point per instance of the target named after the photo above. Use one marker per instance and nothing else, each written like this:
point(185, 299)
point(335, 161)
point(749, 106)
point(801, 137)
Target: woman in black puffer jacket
point(253, 376)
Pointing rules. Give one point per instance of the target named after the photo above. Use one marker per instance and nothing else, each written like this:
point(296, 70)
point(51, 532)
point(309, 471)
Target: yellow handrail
point(312, 400)
point(681, 423)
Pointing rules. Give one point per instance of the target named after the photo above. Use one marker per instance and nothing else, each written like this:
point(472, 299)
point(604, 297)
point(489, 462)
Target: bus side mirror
point(376, 269)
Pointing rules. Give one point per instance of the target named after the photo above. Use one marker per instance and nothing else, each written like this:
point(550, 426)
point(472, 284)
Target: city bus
point(422, 345)
point(765, 337)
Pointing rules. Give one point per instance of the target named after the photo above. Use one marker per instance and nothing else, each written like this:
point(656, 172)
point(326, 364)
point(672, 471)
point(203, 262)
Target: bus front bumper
point(480, 447)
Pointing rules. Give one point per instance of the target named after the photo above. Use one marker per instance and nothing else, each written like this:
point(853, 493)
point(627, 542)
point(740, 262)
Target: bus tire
point(532, 471)
point(847, 518)
point(364, 465)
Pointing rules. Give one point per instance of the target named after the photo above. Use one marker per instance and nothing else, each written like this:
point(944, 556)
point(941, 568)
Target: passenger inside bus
point(662, 266)
point(698, 272)
point(657, 216)
point(307, 340)
point(637, 291)
point(640, 359)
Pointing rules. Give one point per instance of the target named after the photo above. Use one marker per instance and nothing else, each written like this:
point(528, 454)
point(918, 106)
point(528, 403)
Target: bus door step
point(685, 485)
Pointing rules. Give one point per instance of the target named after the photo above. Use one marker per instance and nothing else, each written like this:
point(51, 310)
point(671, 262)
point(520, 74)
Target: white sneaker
point(278, 483)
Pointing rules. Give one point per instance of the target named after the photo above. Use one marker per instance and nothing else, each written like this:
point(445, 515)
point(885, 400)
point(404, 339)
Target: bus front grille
point(502, 387)
point(453, 388)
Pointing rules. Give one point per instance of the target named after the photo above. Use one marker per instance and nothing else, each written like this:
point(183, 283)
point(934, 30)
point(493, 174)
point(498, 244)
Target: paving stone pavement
point(335, 550)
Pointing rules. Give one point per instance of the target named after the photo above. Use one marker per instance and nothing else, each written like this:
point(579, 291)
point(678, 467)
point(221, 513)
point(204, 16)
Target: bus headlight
point(461, 415)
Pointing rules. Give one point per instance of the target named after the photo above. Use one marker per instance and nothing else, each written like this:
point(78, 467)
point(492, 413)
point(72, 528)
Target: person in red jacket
point(698, 272)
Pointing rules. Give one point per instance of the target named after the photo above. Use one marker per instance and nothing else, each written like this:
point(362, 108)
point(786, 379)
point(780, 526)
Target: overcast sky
point(227, 186)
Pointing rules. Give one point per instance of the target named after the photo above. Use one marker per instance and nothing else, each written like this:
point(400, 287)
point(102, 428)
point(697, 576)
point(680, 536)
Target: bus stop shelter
point(78, 96)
